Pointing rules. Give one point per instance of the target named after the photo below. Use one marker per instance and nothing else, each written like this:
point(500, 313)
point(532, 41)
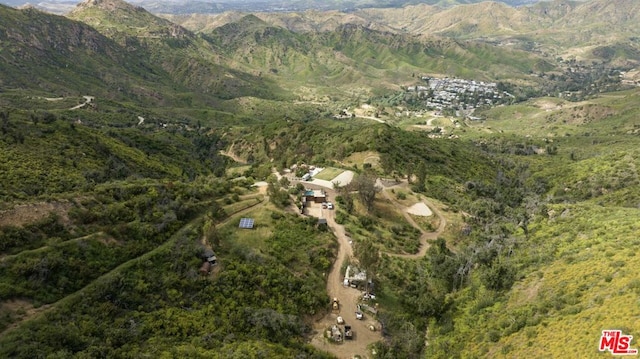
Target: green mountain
point(160, 64)
point(192, 7)
point(353, 56)
point(560, 27)
point(147, 59)
point(187, 58)
point(55, 56)
point(249, 56)
point(111, 203)
point(593, 30)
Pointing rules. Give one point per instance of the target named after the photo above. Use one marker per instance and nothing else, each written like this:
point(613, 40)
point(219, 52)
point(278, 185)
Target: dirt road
point(231, 154)
point(425, 236)
point(348, 297)
point(87, 100)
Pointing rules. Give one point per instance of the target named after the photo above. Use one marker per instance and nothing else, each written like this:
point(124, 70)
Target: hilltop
point(120, 16)
point(65, 57)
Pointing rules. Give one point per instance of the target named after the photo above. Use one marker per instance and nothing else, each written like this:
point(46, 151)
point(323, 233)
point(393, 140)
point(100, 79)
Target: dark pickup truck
point(348, 333)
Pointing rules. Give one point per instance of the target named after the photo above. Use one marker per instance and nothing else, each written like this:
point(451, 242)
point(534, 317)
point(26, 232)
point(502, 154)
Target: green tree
point(211, 232)
point(277, 195)
point(387, 163)
point(365, 185)
point(421, 174)
point(369, 257)
point(4, 117)
point(284, 182)
point(500, 275)
point(344, 197)
point(443, 265)
point(409, 171)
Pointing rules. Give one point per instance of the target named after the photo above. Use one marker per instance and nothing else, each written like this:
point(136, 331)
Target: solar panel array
point(246, 223)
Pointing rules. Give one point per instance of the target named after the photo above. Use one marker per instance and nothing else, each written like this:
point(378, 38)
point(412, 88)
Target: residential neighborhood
point(459, 94)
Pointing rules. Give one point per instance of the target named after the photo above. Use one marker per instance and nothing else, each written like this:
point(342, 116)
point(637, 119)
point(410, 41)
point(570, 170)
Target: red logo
point(617, 343)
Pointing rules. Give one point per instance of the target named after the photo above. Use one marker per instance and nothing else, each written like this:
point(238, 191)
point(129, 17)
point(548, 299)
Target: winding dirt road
point(425, 236)
point(350, 297)
point(347, 296)
point(87, 101)
point(231, 154)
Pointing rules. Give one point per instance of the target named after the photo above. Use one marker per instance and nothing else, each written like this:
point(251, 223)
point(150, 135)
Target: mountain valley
point(196, 185)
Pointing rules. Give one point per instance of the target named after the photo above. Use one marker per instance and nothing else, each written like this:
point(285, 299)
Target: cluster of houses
point(459, 94)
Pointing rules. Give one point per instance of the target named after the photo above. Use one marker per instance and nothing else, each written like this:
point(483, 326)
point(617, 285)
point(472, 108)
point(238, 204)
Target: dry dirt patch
point(19, 309)
point(360, 158)
point(343, 179)
point(548, 105)
point(420, 209)
point(588, 113)
point(27, 213)
point(15, 305)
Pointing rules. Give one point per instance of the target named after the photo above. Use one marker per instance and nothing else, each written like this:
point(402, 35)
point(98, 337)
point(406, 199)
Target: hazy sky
point(258, 4)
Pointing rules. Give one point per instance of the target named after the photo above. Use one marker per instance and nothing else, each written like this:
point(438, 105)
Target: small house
point(209, 256)
point(355, 277)
point(317, 196)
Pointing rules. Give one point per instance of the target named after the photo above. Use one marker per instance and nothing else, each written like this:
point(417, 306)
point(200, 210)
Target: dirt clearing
point(23, 214)
point(420, 209)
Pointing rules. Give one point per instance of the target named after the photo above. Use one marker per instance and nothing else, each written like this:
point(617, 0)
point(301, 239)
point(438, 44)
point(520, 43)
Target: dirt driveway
point(348, 297)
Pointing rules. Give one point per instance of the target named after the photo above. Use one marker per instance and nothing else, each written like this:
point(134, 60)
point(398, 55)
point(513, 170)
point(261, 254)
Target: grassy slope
point(579, 277)
point(47, 153)
point(228, 320)
point(352, 58)
point(64, 58)
point(186, 58)
point(577, 269)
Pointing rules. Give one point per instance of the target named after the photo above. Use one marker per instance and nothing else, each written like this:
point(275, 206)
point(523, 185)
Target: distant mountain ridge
point(478, 17)
point(126, 54)
point(152, 59)
point(192, 7)
point(567, 28)
point(299, 5)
